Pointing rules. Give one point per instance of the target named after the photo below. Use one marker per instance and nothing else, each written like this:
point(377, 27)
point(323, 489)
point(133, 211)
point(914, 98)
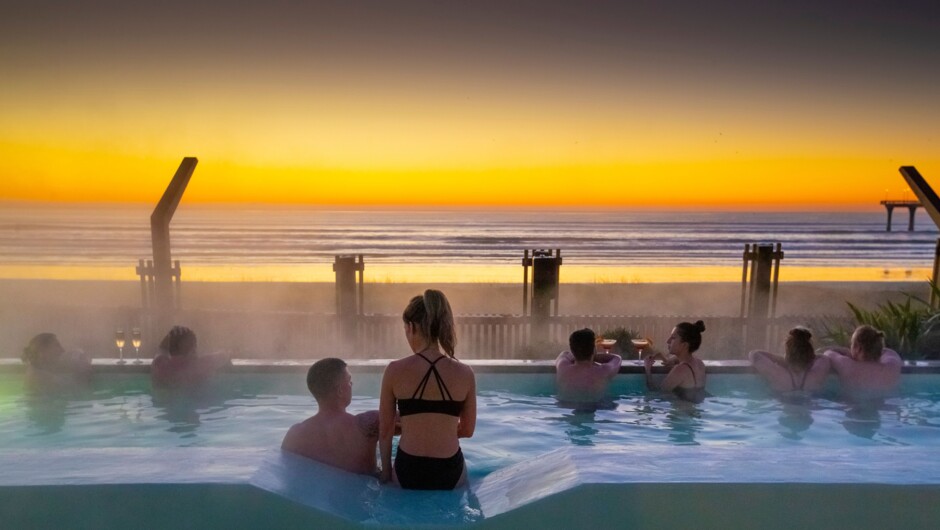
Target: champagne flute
point(135, 341)
point(119, 342)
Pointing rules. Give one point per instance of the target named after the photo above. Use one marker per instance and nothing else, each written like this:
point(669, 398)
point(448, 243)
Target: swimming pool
point(739, 442)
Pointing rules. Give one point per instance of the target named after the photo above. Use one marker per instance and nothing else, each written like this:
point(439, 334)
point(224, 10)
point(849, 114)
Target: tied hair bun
point(700, 326)
point(801, 333)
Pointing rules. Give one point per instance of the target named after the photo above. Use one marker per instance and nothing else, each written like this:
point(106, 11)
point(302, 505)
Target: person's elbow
point(465, 430)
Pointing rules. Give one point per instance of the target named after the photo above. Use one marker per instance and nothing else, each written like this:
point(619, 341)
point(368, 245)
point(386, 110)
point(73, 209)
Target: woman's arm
point(675, 377)
point(386, 424)
point(468, 416)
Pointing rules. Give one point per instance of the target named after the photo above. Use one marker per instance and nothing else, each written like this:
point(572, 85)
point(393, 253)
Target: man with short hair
point(867, 367)
point(332, 435)
point(581, 374)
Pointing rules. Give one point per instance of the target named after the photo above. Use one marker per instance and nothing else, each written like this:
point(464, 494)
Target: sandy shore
point(85, 313)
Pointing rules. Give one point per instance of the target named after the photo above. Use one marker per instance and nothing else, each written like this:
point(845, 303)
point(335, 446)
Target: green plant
point(911, 327)
point(624, 347)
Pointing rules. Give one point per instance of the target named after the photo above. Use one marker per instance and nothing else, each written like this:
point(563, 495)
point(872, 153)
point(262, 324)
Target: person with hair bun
point(866, 367)
point(686, 378)
point(436, 398)
point(800, 370)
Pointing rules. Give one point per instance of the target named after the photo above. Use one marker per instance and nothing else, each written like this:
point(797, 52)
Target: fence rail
point(301, 335)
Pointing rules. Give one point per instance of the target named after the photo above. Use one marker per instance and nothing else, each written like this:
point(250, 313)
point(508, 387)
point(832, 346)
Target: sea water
point(251, 236)
point(518, 416)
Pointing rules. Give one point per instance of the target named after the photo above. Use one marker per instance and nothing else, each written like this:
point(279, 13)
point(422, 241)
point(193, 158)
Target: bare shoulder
point(368, 423)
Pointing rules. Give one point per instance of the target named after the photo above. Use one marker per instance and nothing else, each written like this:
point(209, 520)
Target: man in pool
point(332, 435)
point(581, 374)
point(866, 367)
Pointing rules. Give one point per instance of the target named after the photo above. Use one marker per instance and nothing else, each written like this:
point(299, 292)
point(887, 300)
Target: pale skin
point(774, 369)
point(431, 435)
point(335, 437)
point(585, 380)
point(679, 376)
point(185, 369)
point(860, 375)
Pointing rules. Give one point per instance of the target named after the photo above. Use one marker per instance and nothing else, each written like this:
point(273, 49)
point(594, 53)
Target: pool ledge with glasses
point(572, 487)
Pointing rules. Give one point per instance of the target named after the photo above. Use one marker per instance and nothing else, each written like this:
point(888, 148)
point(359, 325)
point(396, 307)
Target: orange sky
point(575, 108)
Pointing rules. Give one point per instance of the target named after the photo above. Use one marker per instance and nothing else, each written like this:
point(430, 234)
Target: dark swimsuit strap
point(422, 386)
point(694, 381)
point(803, 380)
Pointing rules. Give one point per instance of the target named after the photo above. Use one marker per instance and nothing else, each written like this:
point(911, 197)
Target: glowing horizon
point(558, 106)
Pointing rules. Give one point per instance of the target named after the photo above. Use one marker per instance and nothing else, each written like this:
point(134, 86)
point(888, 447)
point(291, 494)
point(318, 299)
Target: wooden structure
point(911, 206)
point(931, 203)
point(546, 269)
point(163, 299)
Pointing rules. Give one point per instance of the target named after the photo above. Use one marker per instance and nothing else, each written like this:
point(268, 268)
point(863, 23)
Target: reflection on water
point(795, 418)
point(684, 420)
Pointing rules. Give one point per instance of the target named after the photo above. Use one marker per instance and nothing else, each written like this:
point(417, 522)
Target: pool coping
point(511, 366)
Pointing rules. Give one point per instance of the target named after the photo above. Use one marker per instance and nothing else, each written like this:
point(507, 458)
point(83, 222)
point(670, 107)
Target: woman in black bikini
point(436, 399)
point(799, 371)
point(687, 377)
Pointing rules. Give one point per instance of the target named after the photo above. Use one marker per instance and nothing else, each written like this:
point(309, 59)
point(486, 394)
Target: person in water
point(581, 375)
point(686, 378)
point(332, 435)
point(436, 398)
point(800, 370)
point(866, 367)
point(47, 362)
point(179, 364)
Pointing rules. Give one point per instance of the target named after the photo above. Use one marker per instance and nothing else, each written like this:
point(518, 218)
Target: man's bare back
point(340, 439)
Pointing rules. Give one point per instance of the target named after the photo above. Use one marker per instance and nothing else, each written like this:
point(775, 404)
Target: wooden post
point(163, 273)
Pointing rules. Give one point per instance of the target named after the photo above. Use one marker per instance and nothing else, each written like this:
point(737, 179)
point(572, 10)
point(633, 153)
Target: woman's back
point(432, 394)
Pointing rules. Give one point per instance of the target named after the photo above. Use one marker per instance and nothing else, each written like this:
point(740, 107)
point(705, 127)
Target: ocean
point(271, 243)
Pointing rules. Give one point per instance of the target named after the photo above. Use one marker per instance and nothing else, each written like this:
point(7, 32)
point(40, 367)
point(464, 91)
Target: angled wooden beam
point(160, 237)
point(923, 191)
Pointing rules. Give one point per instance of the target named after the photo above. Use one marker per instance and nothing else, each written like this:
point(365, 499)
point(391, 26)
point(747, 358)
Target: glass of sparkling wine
point(640, 343)
point(119, 342)
point(135, 341)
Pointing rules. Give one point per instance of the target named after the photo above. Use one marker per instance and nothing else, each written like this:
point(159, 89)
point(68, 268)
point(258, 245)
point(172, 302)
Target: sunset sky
point(799, 104)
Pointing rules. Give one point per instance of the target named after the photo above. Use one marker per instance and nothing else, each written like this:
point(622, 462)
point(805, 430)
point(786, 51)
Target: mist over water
point(256, 236)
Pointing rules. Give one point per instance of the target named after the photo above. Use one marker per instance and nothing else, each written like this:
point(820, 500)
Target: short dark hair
point(581, 343)
point(324, 375)
point(179, 341)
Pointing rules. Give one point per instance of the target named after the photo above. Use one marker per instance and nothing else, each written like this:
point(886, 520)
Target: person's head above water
point(43, 350)
point(179, 341)
point(429, 317)
point(867, 343)
point(328, 379)
point(686, 335)
point(581, 344)
point(800, 352)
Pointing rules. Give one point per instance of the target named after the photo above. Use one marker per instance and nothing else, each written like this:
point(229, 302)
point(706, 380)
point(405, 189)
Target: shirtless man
point(332, 435)
point(179, 365)
point(867, 367)
point(581, 374)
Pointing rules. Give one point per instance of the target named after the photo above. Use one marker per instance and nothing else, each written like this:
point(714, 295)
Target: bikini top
point(418, 405)
point(695, 394)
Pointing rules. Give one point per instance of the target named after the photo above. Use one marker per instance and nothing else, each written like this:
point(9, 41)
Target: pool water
point(518, 416)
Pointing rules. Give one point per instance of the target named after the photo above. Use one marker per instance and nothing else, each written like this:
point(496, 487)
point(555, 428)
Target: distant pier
point(911, 206)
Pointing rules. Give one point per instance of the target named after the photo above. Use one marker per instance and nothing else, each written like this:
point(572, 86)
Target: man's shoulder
point(368, 423)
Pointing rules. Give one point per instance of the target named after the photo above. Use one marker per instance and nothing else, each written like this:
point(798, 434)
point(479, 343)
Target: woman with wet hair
point(686, 378)
point(436, 398)
point(800, 370)
point(179, 364)
point(47, 361)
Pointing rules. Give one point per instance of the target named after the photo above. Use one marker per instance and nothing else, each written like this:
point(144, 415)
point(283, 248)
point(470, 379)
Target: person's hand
point(648, 362)
point(669, 362)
